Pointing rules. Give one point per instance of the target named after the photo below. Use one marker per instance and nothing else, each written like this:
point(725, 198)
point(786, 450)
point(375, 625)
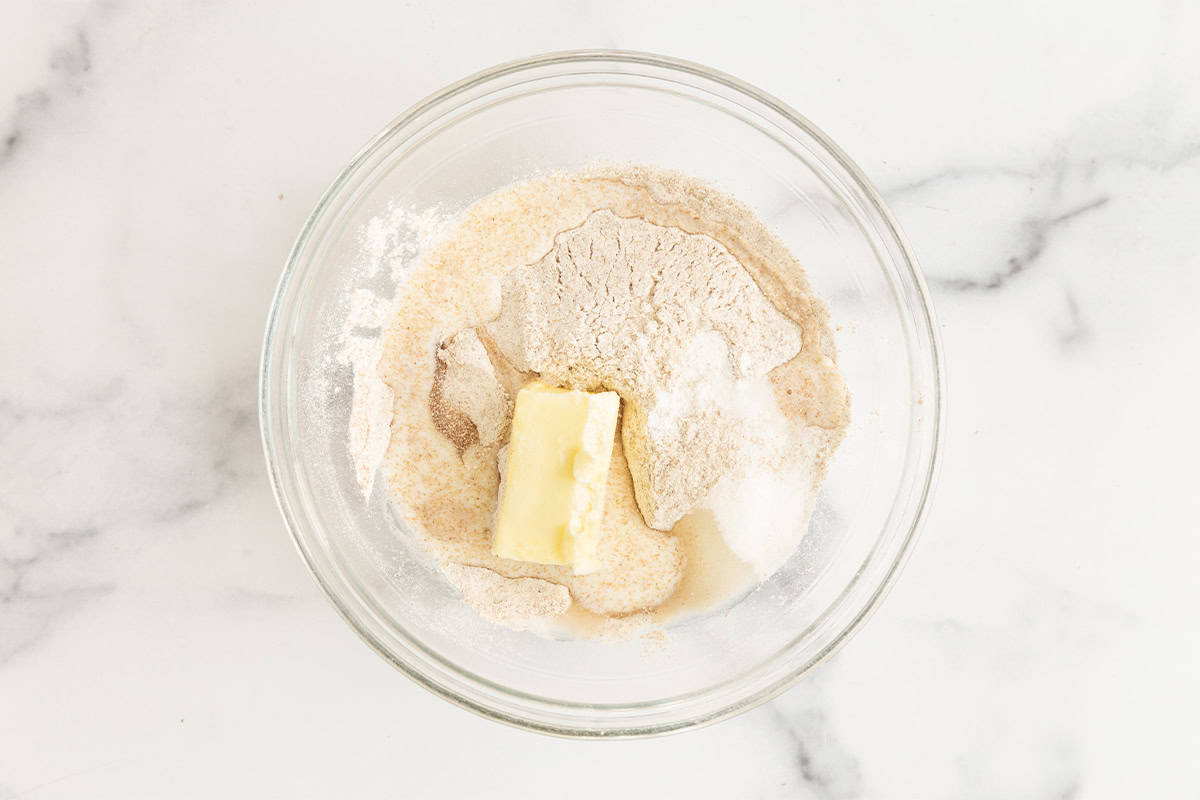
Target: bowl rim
point(926, 321)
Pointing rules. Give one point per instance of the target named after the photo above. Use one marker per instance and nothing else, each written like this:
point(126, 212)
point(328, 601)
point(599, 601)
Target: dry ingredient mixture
point(625, 278)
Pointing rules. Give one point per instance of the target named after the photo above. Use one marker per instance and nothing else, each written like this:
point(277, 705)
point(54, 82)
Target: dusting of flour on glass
point(389, 245)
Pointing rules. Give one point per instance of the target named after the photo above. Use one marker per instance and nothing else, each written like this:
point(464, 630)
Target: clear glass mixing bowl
point(558, 112)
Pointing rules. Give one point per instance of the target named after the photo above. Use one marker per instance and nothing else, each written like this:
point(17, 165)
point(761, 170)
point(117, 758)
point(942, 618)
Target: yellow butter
point(556, 476)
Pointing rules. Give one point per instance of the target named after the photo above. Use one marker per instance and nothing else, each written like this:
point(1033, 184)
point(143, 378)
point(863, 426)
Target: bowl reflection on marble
point(564, 111)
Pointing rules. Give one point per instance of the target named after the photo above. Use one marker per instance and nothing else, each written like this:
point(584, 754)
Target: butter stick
point(555, 477)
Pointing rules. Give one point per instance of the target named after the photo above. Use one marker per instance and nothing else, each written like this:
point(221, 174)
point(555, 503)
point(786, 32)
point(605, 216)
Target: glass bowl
point(564, 111)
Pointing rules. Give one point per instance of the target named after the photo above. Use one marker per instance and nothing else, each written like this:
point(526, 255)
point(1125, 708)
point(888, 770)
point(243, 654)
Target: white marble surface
point(160, 638)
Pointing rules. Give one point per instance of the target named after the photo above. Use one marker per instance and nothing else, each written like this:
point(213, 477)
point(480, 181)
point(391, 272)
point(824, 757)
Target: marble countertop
point(160, 638)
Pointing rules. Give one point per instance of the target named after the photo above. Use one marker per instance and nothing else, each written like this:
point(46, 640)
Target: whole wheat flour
point(674, 295)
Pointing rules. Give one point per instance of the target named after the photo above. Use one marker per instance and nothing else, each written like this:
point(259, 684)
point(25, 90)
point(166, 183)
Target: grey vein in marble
point(34, 547)
point(821, 763)
point(1037, 237)
point(1074, 331)
point(954, 174)
point(1062, 161)
point(26, 614)
point(69, 65)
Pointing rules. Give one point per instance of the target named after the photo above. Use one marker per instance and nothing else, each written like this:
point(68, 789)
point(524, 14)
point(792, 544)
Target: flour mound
point(522, 604)
point(672, 322)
